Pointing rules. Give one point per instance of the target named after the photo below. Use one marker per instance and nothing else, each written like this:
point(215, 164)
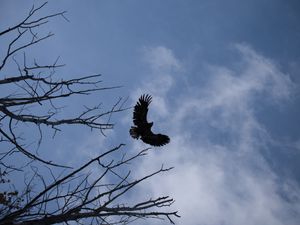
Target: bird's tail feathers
point(134, 132)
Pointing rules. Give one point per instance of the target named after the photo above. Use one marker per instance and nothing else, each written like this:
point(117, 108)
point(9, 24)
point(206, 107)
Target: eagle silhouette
point(142, 128)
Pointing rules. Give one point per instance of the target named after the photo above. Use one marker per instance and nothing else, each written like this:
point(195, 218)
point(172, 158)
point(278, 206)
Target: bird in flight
point(142, 128)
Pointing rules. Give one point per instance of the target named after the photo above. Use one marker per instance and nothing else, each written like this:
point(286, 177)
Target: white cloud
point(161, 58)
point(228, 182)
point(161, 79)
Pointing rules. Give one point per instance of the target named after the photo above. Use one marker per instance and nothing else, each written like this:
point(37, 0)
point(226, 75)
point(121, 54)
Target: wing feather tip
point(145, 98)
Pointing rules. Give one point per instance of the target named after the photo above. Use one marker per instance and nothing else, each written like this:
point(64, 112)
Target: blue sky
point(224, 76)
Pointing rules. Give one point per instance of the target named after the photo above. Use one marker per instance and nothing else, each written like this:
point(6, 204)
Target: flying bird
point(142, 128)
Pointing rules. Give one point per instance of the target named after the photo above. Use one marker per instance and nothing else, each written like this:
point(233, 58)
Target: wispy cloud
point(220, 175)
point(164, 65)
point(161, 59)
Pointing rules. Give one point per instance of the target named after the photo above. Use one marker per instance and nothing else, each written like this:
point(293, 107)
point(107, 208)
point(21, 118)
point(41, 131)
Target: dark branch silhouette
point(74, 196)
point(30, 106)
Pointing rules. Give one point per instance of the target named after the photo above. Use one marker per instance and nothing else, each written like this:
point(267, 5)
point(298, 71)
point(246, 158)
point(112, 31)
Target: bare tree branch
point(82, 202)
point(31, 103)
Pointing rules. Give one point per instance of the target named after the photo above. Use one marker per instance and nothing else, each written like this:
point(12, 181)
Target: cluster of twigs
point(73, 195)
point(35, 85)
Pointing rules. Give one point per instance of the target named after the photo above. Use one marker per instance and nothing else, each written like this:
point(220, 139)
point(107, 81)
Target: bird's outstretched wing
point(142, 128)
point(141, 110)
point(155, 139)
